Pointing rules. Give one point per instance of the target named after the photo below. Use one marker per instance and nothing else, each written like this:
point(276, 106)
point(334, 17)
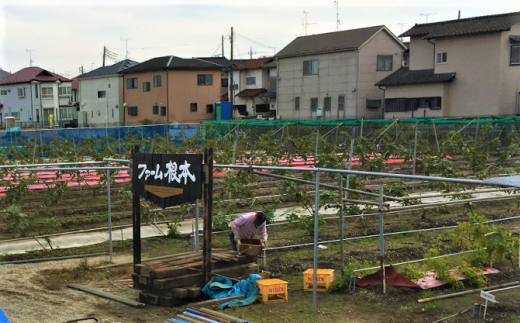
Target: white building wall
point(337, 75)
point(13, 104)
point(100, 111)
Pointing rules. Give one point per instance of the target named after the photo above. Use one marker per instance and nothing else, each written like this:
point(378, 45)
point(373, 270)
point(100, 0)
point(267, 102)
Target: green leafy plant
point(173, 230)
point(396, 188)
point(19, 222)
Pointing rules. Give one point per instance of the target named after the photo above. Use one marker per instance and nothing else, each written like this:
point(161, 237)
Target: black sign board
point(167, 179)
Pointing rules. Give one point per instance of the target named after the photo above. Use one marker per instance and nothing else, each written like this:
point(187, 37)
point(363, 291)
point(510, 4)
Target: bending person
point(246, 226)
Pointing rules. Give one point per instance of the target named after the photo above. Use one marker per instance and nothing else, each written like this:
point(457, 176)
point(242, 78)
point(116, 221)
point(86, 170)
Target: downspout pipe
point(434, 54)
point(384, 100)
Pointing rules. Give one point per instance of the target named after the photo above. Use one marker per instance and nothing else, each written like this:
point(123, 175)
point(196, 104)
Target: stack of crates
point(272, 291)
point(324, 278)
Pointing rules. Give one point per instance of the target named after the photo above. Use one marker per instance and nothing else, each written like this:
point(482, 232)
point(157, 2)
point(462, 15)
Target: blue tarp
point(3, 319)
point(220, 287)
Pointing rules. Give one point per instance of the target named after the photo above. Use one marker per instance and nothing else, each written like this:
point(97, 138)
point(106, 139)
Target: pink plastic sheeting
point(431, 281)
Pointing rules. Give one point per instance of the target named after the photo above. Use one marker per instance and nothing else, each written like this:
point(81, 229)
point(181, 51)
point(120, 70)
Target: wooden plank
point(196, 279)
point(170, 301)
point(215, 301)
point(193, 292)
point(180, 293)
point(149, 298)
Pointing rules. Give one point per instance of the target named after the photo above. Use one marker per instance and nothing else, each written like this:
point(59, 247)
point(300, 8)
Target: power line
point(219, 46)
point(169, 46)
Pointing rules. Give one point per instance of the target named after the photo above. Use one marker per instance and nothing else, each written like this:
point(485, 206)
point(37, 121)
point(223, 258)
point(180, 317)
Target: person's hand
point(237, 238)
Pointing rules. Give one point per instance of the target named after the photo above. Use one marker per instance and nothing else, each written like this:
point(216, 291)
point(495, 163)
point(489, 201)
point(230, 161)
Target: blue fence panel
point(118, 133)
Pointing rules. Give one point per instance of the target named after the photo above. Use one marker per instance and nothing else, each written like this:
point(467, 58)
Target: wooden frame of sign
point(167, 180)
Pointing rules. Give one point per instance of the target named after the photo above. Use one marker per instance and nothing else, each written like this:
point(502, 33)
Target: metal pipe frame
point(109, 217)
point(117, 160)
point(56, 164)
point(365, 173)
point(315, 261)
point(71, 169)
point(324, 185)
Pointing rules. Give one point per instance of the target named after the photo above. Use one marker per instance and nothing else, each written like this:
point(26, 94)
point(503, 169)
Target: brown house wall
point(182, 89)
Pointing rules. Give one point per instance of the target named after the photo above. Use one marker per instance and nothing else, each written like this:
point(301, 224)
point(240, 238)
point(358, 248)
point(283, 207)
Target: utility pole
point(426, 15)
point(231, 37)
point(30, 56)
point(250, 52)
point(459, 14)
point(126, 41)
point(104, 54)
point(338, 22)
point(222, 45)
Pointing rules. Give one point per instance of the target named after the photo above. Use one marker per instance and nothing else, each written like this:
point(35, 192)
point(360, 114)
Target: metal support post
point(361, 130)
point(350, 160)
point(136, 218)
point(415, 153)
point(317, 138)
point(109, 216)
point(476, 132)
point(341, 224)
point(234, 148)
point(196, 226)
point(436, 138)
point(382, 237)
point(315, 260)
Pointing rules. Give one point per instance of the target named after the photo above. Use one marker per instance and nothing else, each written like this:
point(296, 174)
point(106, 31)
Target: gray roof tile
point(404, 76)
point(174, 63)
point(468, 26)
point(330, 42)
point(109, 70)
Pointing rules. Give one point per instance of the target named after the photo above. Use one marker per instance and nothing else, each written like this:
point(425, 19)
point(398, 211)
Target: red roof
point(253, 63)
point(34, 73)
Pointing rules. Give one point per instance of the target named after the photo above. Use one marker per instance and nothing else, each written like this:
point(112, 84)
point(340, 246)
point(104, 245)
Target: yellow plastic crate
point(324, 278)
point(272, 290)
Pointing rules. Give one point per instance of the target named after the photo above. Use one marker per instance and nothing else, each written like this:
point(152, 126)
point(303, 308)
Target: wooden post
point(208, 216)
point(136, 216)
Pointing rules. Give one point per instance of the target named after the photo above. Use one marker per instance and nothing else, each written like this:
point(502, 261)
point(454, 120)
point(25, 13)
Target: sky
point(65, 35)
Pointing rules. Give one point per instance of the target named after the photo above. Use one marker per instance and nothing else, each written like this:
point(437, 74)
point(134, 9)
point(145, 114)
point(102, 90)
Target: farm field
point(467, 154)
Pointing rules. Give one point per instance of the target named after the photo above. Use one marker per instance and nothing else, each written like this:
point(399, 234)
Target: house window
point(373, 103)
point(155, 109)
point(250, 80)
point(47, 92)
point(16, 115)
point(21, 92)
point(224, 82)
point(515, 54)
point(99, 113)
point(442, 58)
point(235, 87)
point(64, 91)
point(209, 108)
point(314, 104)
point(146, 86)
point(193, 107)
point(395, 105)
point(297, 103)
point(109, 86)
point(412, 104)
point(311, 67)
point(101, 94)
point(385, 62)
point(436, 103)
point(163, 111)
point(36, 90)
point(205, 79)
point(132, 111)
point(157, 81)
point(65, 114)
point(3, 92)
point(131, 83)
point(341, 102)
point(327, 103)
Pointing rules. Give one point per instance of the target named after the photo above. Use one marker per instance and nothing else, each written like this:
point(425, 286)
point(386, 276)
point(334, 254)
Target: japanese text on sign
point(171, 174)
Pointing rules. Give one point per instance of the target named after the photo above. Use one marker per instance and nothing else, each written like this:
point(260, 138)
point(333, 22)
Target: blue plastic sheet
point(3, 318)
point(220, 287)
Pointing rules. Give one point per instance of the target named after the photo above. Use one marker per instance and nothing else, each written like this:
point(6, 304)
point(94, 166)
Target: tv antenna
point(402, 27)
point(338, 22)
point(426, 15)
point(30, 56)
point(305, 23)
point(126, 41)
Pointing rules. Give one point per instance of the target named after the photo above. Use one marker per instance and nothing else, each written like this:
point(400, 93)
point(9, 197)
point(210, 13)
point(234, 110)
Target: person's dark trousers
point(232, 240)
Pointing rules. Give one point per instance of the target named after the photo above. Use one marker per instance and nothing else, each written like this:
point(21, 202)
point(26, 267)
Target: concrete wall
point(101, 111)
point(418, 91)
point(183, 90)
point(380, 44)
point(337, 75)
point(476, 60)
point(144, 101)
point(509, 76)
point(421, 54)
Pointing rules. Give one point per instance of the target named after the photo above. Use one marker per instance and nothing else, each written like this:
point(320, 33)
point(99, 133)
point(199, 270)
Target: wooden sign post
point(208, 214)
point(165, 180)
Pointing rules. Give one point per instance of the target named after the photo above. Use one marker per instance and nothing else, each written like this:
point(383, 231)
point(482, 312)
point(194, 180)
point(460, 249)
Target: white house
point(251, 93)
point(37, 97)
point(101, 95)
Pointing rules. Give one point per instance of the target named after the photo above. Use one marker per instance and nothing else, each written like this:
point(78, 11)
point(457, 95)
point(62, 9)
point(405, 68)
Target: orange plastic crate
point(324, 278)
point(272, 290)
